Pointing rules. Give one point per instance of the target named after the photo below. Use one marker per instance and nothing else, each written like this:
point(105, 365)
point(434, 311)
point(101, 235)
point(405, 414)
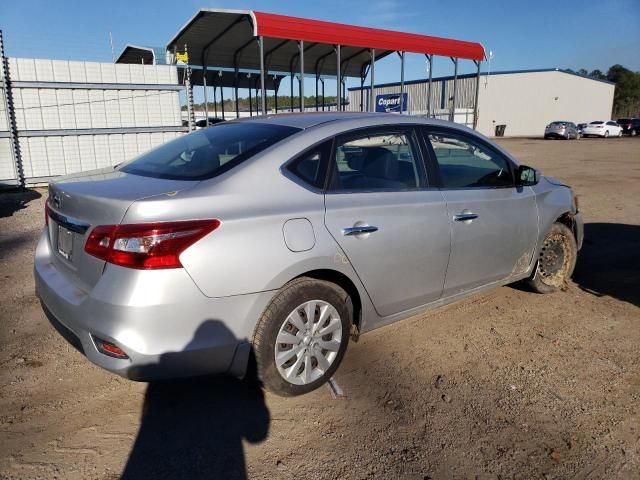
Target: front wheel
point(556, 260)
point(302, 336)
point(606, 134)
point(620, 134)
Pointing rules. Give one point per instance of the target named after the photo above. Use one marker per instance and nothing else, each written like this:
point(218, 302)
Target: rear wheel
point(302, 336)
point(620, 134)
point(633, 133)
point(606, 134)
point(556, 260)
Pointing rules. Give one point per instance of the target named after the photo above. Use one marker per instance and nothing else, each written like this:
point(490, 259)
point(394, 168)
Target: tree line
point(626, 99)
point(284, 102)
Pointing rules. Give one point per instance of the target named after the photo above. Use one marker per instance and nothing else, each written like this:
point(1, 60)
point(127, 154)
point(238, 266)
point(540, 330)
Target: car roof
point(312, 119)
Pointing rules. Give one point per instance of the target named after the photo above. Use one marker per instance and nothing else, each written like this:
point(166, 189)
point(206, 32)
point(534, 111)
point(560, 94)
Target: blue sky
point(522, 34)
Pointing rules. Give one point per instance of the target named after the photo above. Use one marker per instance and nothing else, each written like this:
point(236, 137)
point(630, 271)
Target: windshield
point(208, 152)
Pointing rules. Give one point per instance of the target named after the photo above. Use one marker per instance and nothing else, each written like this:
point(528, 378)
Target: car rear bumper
point(555, 134)
point(160, 319)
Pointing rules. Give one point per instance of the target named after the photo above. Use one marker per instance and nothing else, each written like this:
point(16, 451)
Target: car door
point(494, 223)
point(614, 128)
point(390, 224)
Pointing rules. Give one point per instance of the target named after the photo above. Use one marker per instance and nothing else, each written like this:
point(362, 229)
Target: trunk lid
point(78, 203)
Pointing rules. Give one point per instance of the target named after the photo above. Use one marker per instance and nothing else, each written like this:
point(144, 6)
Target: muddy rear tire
point(556, 260)
point(302, 336)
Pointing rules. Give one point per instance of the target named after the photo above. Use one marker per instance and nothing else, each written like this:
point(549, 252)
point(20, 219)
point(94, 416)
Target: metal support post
point(215, 102)
point(402, 105)
point(263, 97)
point(222, 101)
point(361, 93)
point(475, 103)
point(204, 86)
point(323, 100)
point(430, 59)
point(372, 101)
point(11, 116)
point(291, 94)
point(338, 93)
point(452, 114)
point(235, 88)
point(301, 49)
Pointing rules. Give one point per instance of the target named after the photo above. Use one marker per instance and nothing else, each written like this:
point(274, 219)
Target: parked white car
point(600, 128)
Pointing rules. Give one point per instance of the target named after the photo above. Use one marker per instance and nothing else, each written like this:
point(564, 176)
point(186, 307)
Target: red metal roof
point(222, 38)
point(308, 30)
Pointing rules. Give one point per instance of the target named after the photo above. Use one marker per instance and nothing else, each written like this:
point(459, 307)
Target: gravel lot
point(510, 384)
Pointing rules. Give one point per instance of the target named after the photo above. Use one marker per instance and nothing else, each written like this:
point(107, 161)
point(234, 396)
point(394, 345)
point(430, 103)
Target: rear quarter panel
point(253, 201)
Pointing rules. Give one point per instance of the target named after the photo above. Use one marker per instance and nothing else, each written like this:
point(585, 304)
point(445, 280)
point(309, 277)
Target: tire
point(633, 133)
point(606, 134)
point(620, 134)
point(280, 322)
point(556, 261)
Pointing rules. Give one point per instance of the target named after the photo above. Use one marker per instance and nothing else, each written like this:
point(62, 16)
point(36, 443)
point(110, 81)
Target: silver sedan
point(277, 239)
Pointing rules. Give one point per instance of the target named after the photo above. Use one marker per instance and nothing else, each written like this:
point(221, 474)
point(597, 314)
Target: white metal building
point(70, 116)
point(525, 101)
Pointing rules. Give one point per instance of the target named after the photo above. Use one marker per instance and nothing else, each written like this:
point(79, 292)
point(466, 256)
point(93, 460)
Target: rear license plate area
point(65, 242)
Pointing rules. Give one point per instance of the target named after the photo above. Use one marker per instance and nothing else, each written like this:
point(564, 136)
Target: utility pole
point(113, 54)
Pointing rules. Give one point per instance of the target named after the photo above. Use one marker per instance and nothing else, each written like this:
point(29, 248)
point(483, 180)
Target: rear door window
point(377, 160)
point(207, 152)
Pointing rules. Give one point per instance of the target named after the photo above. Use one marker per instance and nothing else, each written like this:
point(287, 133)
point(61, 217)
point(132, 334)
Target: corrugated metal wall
point(441, 92)
point(75, 116)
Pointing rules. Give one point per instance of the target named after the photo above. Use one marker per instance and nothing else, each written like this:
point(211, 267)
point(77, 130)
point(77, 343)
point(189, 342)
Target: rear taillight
point(147, 246)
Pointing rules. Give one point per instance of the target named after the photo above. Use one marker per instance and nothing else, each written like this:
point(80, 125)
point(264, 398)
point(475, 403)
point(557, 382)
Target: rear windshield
point(596, 123)
point(559, 123)
point(208, 152)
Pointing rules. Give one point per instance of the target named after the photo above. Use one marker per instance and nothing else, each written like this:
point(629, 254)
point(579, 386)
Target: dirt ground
point(510, 384)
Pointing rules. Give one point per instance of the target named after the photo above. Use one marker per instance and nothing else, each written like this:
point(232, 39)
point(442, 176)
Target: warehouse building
point(524, 101)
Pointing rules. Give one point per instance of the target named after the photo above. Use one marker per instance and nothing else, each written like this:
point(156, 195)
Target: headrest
point(381, 163)
point(205, 159)
point(355, 160)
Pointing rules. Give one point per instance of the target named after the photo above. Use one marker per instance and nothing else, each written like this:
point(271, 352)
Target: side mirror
point(527, 176)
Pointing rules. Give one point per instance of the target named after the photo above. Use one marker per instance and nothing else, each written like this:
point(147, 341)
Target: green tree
point(626, 99)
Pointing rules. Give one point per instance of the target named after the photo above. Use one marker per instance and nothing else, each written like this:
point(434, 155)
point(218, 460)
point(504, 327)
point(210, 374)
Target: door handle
point(358, 230)
point(464, 217)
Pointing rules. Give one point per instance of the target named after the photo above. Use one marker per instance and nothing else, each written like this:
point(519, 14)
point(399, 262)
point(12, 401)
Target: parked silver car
point(566, 130)
point(287, 235)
